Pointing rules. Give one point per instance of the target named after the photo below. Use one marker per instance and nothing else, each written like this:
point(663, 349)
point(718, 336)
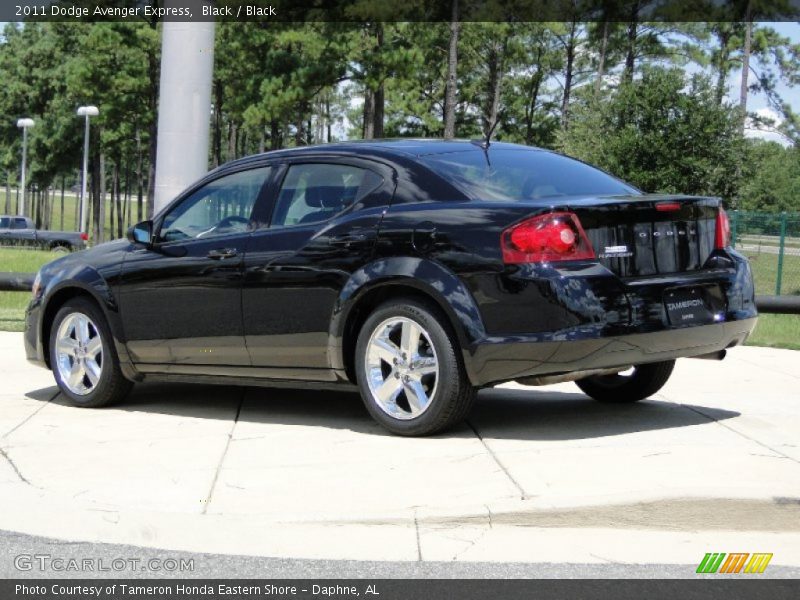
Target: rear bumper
point(581, 317)
point(498, 361)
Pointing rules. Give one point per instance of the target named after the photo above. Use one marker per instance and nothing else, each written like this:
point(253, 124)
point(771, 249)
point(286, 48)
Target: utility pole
point(184, 111)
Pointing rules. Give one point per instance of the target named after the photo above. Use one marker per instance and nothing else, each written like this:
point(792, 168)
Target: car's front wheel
point(83, 358)
point(640, 382)
point(410, 371)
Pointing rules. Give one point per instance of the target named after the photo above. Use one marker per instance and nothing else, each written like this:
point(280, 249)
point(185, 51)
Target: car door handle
point(348, 239)
point(222, 253)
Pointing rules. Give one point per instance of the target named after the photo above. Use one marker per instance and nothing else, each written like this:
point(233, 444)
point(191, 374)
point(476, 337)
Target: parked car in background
point(21, 231)
point(416, 271)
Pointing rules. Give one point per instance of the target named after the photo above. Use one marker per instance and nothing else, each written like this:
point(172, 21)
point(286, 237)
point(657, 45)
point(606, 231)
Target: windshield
point(503, 174)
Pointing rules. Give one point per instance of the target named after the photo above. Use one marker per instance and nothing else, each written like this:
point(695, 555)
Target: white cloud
point(767, 129)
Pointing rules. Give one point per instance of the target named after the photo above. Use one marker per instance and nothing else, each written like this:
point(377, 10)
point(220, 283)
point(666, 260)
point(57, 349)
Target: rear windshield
point(502, 174)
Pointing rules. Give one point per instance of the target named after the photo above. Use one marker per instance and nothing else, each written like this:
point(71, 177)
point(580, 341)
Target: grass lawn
point(12, 304)
point(777, 331)
point(765, 273)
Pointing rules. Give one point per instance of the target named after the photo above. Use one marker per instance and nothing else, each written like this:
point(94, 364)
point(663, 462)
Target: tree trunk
point(216, 144)
point(101, 208)
point(369, 114)
point(275, 137)
point(568, 74)
point(63, 185)
point(530, 109)
point(231, 140)
point(743, 91)
point(8, 196)
point(601, 64)
point(380, 94)
point(94, 200)
point(118, 193)
point(139, 180)
point(452, 76)
point(490, 112)
point(112, 205)
point(77, 207)
point(36, 207)
point(377, 116)
point(48, 208)
point(328, 118)
point(630, 54)
point(127, 195)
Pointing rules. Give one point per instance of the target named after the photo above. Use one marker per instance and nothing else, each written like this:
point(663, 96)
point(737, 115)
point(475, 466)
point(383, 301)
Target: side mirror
point(141, 233)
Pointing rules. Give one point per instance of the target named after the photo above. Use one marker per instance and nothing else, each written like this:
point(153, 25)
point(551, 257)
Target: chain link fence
point(772, 243)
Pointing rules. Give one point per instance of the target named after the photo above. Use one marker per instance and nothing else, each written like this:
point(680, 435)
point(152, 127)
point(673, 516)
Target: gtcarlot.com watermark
point(90, 564)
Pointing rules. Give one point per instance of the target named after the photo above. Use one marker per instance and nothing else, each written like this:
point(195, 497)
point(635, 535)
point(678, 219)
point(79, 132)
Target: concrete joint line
point(523, 495)
point(30, 416)
point(739, 433)
point(224, 454)
point(14, 467)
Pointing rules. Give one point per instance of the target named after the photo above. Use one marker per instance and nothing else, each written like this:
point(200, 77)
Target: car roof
point(400, 147)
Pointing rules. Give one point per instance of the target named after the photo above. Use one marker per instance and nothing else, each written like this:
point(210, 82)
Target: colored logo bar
point(737, 562)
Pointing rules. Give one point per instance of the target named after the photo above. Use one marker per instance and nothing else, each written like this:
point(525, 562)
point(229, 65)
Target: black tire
point(60, 247)
point(453, 394)
point(111, 385)
point(645, 381)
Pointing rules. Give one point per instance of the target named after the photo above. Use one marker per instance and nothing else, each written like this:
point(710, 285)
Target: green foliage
point(772, 178)
point(660, 132)
point(606, 91)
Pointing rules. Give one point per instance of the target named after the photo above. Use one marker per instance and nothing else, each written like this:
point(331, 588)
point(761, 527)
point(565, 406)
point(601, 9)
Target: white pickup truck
point(21, 231)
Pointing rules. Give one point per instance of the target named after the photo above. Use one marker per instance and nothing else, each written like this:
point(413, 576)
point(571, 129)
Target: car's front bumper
point(34, 351)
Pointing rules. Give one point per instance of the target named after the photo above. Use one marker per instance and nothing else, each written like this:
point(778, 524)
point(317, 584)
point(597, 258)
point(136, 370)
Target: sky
point(757, 102)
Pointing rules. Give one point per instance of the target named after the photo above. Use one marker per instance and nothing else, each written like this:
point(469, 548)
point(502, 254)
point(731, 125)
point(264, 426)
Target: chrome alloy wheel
point(79, 353)
point(401, 367)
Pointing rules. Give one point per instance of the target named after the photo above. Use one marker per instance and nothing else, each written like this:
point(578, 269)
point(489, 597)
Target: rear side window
point(501, 174)
point(315, 192)
point(5, 223)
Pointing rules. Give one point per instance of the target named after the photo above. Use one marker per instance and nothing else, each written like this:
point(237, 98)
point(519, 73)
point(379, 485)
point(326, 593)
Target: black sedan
point(418, 271)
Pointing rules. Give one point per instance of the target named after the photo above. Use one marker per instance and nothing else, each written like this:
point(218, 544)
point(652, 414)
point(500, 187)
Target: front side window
point(221, 207)
point(20, 224)
point(312, 193)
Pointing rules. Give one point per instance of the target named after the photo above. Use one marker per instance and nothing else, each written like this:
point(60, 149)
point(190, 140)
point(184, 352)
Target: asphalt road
point(211, 566)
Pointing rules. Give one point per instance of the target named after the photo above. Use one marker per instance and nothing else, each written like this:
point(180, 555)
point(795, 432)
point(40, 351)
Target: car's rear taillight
point(546, 238)
point(722, 239)
point(84, 236)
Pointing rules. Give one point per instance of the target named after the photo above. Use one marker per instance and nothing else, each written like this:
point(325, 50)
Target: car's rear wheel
point(641, 382)
point(83, 358)
point(409, 369)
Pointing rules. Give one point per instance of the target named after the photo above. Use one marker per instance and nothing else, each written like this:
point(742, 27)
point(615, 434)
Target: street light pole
point(23, 124)
point(86, 112)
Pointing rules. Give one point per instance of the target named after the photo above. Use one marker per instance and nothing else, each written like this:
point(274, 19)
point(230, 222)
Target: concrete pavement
point(537, 475)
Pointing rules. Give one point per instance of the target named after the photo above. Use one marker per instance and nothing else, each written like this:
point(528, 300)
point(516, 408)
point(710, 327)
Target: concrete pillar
point(184, 111)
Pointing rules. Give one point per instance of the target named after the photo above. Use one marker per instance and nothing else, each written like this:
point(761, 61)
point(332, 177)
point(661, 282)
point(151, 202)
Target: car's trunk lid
point(637, 236)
